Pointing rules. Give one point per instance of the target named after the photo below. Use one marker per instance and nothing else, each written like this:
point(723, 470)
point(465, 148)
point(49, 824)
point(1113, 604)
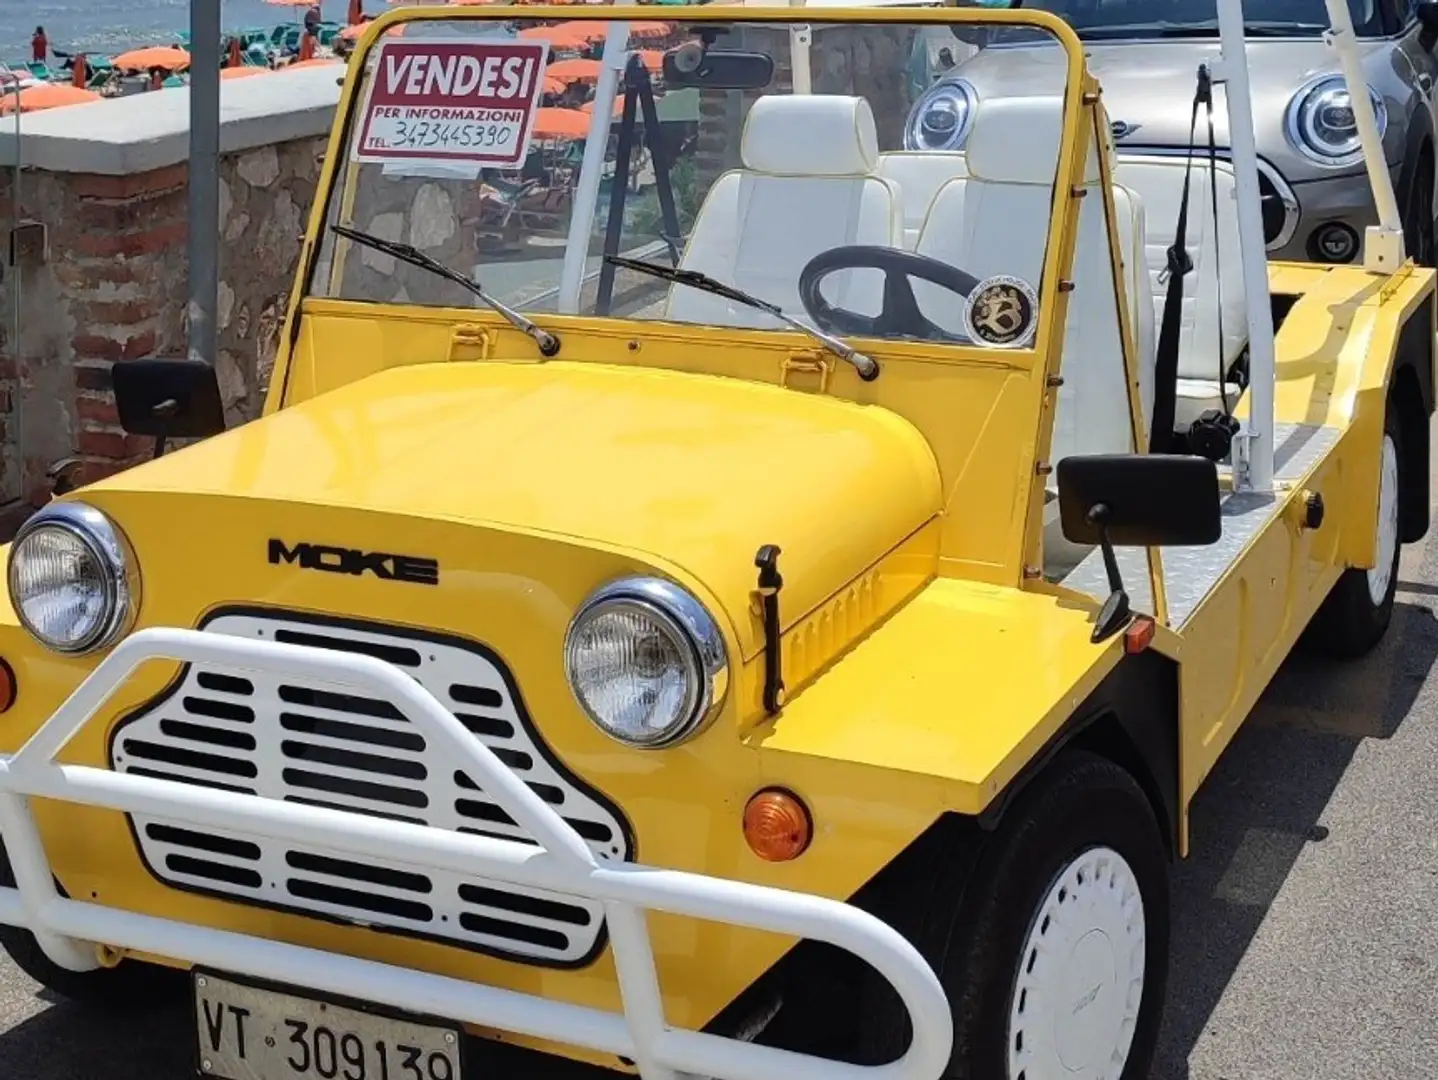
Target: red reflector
point(1138, 635)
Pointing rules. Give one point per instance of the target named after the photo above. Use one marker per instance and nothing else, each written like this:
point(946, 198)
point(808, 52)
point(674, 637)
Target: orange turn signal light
point(777, 826)
point(1138, 635)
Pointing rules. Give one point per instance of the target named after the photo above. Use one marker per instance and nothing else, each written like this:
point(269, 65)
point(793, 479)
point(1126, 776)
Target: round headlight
point(647, 662)
point(1320, 124)
point(942, 118)
point(72, 578)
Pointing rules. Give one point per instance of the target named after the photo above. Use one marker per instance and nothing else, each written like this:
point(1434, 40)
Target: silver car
point(1146, 54)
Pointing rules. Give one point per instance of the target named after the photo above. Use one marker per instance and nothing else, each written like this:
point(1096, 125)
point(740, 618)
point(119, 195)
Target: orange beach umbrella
point(574, 70)
point(164, 57)
point(46, 96)
point(550, 123)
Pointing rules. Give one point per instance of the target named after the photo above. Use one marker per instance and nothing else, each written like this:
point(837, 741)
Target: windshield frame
point(1048, 336)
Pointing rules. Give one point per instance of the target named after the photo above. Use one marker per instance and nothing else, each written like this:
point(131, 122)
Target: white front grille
point(276, 738)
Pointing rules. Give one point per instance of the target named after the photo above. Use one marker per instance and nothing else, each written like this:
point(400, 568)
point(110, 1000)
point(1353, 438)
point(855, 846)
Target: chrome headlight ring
point(84, 550)
point(647, 662)
point(942, 117)
point(1319, 122)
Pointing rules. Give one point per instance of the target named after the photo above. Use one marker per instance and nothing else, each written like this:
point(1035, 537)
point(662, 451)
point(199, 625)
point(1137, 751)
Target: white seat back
point(809, 184)
point(995, 221)
point(918, 175)
point(1215, 282)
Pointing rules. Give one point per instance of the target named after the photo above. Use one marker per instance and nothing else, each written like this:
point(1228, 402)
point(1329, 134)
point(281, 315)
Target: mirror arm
point(163, 411)
point(1115, 611)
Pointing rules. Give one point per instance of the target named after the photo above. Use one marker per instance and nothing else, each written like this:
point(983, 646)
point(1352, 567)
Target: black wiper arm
point(1204, 28)
point(408, 253)
point(867, 366)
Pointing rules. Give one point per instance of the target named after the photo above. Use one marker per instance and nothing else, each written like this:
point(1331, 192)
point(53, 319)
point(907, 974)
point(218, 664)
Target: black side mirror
point(1427, 12)
point(1136, 500)
point(168, 399)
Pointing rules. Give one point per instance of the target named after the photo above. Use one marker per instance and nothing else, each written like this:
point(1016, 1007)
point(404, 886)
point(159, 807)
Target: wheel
point(1355, 615)
point(130, 987)
point(1056, 960)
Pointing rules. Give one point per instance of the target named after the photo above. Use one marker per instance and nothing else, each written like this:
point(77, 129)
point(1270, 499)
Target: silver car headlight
point(943, 117)
point(73, 579)
point(647, 662)
point(1320, 125)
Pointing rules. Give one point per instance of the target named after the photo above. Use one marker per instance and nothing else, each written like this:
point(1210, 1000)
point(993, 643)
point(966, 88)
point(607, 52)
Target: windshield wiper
point(1199, 29)
point(407, 253)
point(867, 366)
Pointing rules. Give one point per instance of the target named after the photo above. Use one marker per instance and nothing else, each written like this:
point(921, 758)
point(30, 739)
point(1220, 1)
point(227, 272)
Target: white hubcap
point(1382, 572)
point(1080, 979)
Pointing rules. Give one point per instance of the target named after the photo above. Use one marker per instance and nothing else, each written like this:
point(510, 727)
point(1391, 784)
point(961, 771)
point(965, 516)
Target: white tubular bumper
point(69, 930)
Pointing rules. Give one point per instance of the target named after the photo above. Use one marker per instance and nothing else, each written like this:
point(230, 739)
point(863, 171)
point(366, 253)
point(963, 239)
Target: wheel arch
point(1411, 393)
point(1130, 718)
point(1417, 145)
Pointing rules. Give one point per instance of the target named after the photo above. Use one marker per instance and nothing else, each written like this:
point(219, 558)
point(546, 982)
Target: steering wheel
point(900, 315)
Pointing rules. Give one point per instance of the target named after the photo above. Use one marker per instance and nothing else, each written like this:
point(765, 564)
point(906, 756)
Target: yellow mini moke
point(712, 593)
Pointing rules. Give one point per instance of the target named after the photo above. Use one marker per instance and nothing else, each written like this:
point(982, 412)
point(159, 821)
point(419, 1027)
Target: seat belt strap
point(1217, 261)
point(1165, 378)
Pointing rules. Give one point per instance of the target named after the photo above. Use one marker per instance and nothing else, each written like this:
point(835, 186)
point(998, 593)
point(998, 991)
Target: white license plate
point(249, 1033)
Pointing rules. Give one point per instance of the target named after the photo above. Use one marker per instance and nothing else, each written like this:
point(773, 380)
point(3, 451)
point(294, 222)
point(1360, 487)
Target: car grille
point(265, 735)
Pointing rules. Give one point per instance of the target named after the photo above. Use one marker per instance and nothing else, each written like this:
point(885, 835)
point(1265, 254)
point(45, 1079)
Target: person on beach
point(40, 46)
point(313, 18)
point(157, 79)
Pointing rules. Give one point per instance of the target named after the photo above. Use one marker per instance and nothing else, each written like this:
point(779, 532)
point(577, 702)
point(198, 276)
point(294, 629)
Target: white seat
point(919, 174)
point(995, 221)
point(809, 184)
point(1214, 284)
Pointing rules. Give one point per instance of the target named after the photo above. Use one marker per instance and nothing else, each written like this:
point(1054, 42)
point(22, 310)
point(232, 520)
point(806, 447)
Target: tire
point(1079, 863)
point(133, 986)
point(1356, 614)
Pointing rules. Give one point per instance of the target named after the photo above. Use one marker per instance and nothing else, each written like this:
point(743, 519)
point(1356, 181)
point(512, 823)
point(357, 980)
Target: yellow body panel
point(926, 663)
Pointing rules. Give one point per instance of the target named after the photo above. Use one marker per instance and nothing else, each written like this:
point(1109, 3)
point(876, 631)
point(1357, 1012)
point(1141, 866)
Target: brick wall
point(112, 287)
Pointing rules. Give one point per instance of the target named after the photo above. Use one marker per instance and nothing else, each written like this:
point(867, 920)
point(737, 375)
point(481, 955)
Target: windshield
point(572, 167)
point(1109, 19)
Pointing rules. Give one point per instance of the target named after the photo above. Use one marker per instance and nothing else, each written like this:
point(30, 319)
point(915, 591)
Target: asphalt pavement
point(1305, 937)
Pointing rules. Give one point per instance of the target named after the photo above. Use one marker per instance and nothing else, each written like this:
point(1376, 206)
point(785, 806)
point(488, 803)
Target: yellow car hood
point(688, 471)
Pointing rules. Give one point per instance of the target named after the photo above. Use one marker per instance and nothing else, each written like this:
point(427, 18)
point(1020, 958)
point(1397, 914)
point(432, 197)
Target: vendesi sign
point(446, 102)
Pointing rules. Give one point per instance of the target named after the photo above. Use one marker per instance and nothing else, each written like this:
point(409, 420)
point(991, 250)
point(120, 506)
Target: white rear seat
point(1213, 280)
point(919, 174)
point(995, 221)
point(809, 184)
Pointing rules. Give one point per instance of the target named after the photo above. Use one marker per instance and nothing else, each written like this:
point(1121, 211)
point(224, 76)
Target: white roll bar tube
point(1383, 248)
point(591, 169)
point(1253, 447)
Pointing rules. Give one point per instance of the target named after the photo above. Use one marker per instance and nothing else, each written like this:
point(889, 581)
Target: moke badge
point(1001, 312)
point(1122, 129)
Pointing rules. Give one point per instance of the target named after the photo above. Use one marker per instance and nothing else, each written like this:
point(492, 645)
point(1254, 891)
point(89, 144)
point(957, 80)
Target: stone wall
point(109, 281)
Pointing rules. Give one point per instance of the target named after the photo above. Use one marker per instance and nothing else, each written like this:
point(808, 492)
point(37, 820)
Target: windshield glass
point(1106, 19)
point(547, 161)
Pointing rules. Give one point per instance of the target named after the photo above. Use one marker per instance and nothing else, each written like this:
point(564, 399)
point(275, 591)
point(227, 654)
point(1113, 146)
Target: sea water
point(111, 26)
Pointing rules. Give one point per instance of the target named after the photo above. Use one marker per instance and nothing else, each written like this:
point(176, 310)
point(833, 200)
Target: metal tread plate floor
point(1191, 573)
